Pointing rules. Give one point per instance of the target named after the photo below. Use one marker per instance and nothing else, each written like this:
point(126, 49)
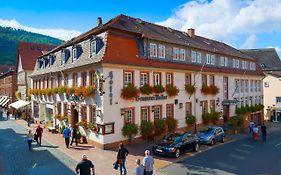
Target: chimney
point(191, 32)
point(99, 21)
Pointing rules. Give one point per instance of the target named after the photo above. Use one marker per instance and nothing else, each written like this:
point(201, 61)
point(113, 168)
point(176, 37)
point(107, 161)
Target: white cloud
point(250, 41)
point(226, 20)
point(57, 33)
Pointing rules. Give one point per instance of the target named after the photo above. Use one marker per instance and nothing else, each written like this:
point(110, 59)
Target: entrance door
point(278, 116)
point(74, 115)
point(225, 113)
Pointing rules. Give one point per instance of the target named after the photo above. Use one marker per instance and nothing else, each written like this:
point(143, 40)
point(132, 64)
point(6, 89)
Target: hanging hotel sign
point(156, 97)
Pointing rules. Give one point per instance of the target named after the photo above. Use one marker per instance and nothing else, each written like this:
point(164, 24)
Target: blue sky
point(241, 23)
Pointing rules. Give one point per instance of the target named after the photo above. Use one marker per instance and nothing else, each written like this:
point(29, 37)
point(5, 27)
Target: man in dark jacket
point(39, 132)
point(121, 158)
point(84, 166)
point(264, 133)
point(74, 136)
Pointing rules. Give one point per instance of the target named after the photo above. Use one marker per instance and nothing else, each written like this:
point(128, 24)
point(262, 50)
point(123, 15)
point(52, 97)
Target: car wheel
point(212, 142)
point(196, 148)
point(222, 140)
point(177, 153)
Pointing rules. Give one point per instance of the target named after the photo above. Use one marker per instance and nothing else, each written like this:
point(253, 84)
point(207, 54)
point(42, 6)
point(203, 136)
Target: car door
point(218, 134)
point(188, 142)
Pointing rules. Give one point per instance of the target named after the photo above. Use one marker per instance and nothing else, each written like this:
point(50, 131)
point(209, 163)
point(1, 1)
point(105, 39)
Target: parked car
point(211, 135)
point(173, 144)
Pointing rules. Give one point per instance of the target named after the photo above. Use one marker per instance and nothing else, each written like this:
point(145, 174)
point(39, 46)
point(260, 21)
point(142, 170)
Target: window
point(213, 105)
point(187, 78)
point(193, 56)
point(128, 78)
point(47, 82)
point(234, 63)
point(157, 112)
point(84, 78)
point(237, 63)
point(170, 110)
point(59, 108)
point(161, 51)
point(213, 59)
point(93, 117)
point(236, 90)
point(153, 50)
point(243, 64)
point(93, 47)
point(144, 78)
point(59, 81)
point(252, 84)
point(176, 54)
point(246, 85)
point(204, 105)
point(63, 56)
point(222, 61)
point(92, 78)
point(242, 101)
point(66, 80)
point(242, 85)
point(157, 79)
point(188, 108)
point(75, 80)
point(129, 115)
point(169, 79)
point(208, 59)
point(74, 54)
point(145, 113)
point(256, 86)
point(182, 54)
point(252, 66)
point(65, 109)
point(83, 112)
point(212, 79)
point(204, 80)
point(198, 57)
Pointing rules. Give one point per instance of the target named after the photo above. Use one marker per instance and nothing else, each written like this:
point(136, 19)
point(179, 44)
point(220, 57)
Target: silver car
point(211, 135)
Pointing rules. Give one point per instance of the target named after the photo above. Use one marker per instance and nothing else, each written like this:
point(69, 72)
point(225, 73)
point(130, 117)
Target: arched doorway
point(74, 115)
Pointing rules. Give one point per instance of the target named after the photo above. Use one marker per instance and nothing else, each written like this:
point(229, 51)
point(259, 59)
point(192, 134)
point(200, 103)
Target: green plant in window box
point(190, 89)
point(55, 90)
point(92, 126)
point(172, 90)
point(61, 89)
point(129, 92)
point(70, 91)
point(146, 89)
point(158, 89)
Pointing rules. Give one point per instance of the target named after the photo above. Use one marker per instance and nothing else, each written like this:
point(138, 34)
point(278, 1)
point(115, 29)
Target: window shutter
point(67, 55)
point(79, 50)
point(99, 45)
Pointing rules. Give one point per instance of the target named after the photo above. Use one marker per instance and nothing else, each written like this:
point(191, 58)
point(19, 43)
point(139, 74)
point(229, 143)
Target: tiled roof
point(160, 33)
point(267, 58)
point(5, 68)
point(29, 53)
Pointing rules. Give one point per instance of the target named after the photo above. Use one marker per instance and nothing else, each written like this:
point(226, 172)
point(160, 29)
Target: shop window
point(145, 113)
point(170, 110)
point(128, 115)
point(157, 112)
point(188, 108)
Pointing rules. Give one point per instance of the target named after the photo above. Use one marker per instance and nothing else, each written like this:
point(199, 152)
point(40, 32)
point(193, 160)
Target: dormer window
point(161, 51)
point(176, 53)
point(64, 56)
point(74, 54)
point(40, 64)
point(263, 65)
point(46, 62)
point(96, 45)
point(52, 59)
point(93, 47)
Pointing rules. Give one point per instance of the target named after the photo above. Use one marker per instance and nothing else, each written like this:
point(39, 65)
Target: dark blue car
point(174, 144)
point(211, 135)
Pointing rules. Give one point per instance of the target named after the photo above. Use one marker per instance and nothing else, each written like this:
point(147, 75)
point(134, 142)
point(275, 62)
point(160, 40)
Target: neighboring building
point(27, 54)
point(8, 87)
point(127, 51)
point(271, 66)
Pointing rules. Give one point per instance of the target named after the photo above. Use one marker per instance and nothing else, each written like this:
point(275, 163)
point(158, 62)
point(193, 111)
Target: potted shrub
point(129, 130)
point(146, 89)
point(206, 117)
point(160, 127)
point(129, 92)
point(190, 89)
point(214, 117)
point(158, 89)
point(171, 124)
point(236, 122)
point(172, 90)
point(213, 90)
point(205, 89)
point(146, 129)
point(190, 120)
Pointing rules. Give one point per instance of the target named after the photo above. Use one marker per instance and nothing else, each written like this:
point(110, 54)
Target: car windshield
point(208, 131)
point(175, 137)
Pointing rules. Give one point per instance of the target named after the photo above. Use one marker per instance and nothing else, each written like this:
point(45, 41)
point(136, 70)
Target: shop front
point(276, 114)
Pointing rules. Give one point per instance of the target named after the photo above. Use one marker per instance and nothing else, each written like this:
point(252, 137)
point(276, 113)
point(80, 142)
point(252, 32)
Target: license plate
point(159, 150)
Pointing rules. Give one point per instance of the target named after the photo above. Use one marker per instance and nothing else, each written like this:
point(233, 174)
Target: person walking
point(255, 132)
point(29, 139)
point(139, 170)
point(28, 121)
point(66, 135)
point(84, 166)
point(121, 158)
point(74, 136)
point(264, 133)
point(8, 114)
point(148, 163)
point(251, 125)
point(39, 133)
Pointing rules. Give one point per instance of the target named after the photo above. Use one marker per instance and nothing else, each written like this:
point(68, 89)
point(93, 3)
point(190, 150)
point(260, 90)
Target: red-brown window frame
point(65, 109)
point(59, 108)
point(213, 82)
point(172, 109)
point(145, 72)
point(159, 77)
point(147, 107)
point(66, 79)
point(84, 79)
point(160, 111)
point(133, 76)
point(75, 80)
point(185, 79)
point(133, 112)
point(83, 111)
point(172, 83)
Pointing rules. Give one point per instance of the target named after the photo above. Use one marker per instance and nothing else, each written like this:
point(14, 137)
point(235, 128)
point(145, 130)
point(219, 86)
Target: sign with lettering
point(74, 98)
point(149, 98)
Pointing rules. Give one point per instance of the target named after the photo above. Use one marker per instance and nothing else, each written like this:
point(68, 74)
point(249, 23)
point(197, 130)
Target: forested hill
point(9, 37)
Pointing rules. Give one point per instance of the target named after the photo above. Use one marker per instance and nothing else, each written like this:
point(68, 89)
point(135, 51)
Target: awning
point(18, 104)
point(3, 98)
point(5, 102)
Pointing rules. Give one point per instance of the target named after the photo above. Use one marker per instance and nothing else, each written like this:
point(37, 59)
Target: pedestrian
point(148, 163)
point(251, 125)
point(121, 158)
point(39, 132)
point(19, 114)
point(84, 166)
point(255, 132)
point(8, 114)
point(66, 135)
point(264, 133)
point(28, 121)
point(74, 136)
point(29, 139)
point(139, 170)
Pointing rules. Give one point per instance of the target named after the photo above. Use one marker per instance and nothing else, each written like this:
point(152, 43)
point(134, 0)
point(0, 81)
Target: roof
point(267, 58)
point(29, 53)
point(274, 73)
point(5, 68)
point(153, 31)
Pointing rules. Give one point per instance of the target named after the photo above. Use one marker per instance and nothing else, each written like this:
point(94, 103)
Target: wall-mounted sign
point(156, 97)
point(74, 98)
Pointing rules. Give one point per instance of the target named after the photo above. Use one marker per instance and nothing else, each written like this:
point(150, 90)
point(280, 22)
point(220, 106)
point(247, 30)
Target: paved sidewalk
point(102, 159)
